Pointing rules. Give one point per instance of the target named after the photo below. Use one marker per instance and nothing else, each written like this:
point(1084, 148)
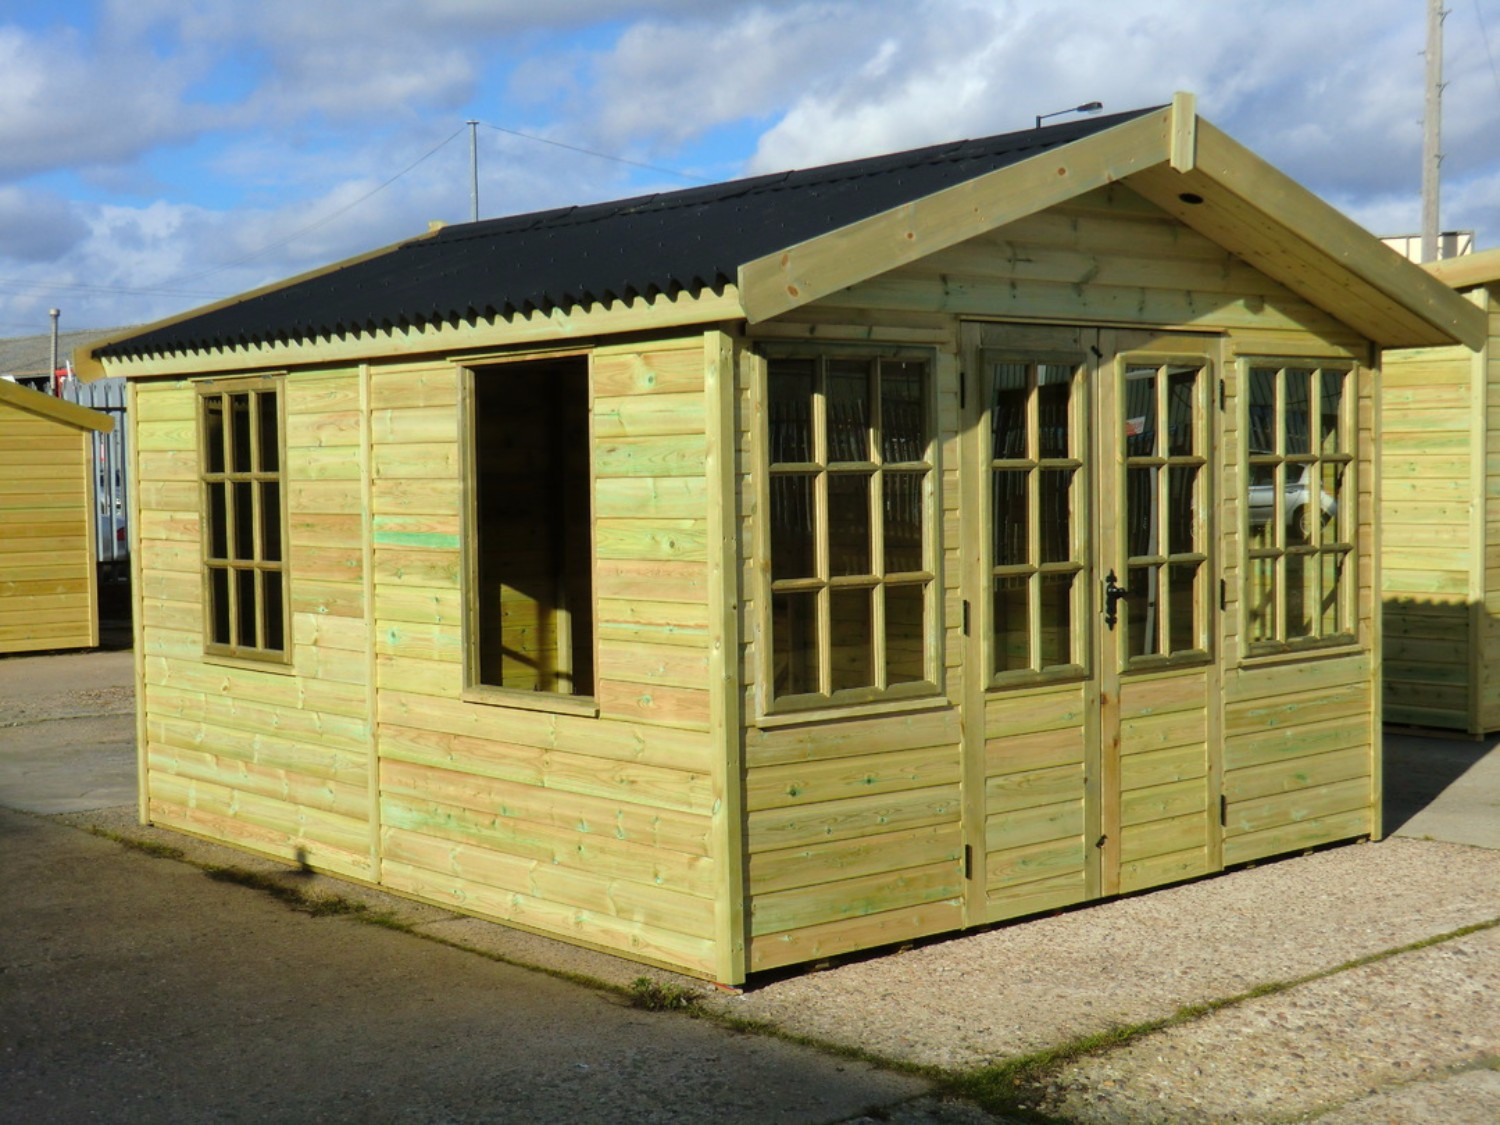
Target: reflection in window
point(1299, 505)
point(1035, 536)
point(849, 526)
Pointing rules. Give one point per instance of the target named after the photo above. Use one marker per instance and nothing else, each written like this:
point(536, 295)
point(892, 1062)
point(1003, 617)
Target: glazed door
point(1089, 613)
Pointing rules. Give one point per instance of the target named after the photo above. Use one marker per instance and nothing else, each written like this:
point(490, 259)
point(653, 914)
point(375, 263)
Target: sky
point(158, 155)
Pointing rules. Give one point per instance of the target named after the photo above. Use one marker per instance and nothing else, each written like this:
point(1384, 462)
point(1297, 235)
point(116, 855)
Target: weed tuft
point(654, 996)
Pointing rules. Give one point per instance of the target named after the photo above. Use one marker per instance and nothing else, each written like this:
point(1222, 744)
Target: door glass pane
point(1301, 594)
point(1140, 412)
point(1263, 410)
point(269, 447)
point(1182, 386)
point(1057, 620)
point(1261, 612)
point(1055, 503)
point(213, 433)
point(1054, 387)
point(1297, 429)
point(789, 410)
point(1182, 508)
point(1012, 630)
point(1333, 399)
point(1184, 606)
point(903, 425)
point(1140, 611)
point(848, 410)
point(1008, 392)
point(244, 521)
point(905, 634)
point(1142, 518)
point(792, 526)
point(849, 523)
point(903, 522)
point(794, 643)
point(239, 433)
point(851, 636)
point(1009, 517)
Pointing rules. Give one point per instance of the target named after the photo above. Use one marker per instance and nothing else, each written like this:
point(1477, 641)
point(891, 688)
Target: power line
point(1484, 35)
point(592, 152)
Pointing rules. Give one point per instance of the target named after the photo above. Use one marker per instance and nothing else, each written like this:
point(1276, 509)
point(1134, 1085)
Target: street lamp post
point(1086, 107)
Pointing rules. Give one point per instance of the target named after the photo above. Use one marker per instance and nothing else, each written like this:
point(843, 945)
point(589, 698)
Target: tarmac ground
point(1350, 984)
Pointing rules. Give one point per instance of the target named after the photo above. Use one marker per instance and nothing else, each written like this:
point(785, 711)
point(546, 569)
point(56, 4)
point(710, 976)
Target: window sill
point(1310, 651)
point(281, 667)
point(834, 712)
point(584, 705)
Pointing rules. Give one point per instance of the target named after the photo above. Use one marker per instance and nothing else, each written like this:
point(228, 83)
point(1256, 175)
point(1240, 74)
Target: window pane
point(1301, 505)
point(1054, 387)
point(1301, 594)
point(1262, 506)
point(269, 446)
point(1142, 519)
point(794, 643)
point(848, 411)
point(244, 521)
point(1012, 629)
point(1297, 429)
point(1057, 620)
point(271, 590)
point(246, 609)
point(851, 635)
point(1261, 610)
point(1009, 511)
point(1140, 611)
point(1263, 410)
point(1008, 393)
point(218, 607)
point(1140, 411)
point(789, 410)
point(903, 422)
point(1182, 386)
point(1333, 620)
point(213, 433)
point(239, 433)
point(1056, 503)
point(1184, 606)
point(903, 522)
point(1330, 440)
point(792, 526)
point(218, 520)
point(905, 634)
point(1182, 507)
point(1337, 526)
point(849, 523)
point(270, 517)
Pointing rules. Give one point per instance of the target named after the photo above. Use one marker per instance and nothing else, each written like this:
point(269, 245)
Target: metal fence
point(111, 483)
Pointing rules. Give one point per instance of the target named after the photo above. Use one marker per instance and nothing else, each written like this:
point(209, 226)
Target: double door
point(1092, 607)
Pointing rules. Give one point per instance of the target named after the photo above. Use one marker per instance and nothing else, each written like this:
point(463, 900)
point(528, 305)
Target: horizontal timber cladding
point(47, 576)
point(596, 827)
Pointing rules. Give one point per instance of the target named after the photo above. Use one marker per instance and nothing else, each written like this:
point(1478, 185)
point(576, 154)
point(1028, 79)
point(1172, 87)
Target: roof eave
point(1468, 270)
point(60, 410)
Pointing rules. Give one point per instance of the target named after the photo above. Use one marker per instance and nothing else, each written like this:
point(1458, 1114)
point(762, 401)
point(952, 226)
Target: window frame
point(1344, 546)
point(475, 689)
point(873, 698)
point(255, 478)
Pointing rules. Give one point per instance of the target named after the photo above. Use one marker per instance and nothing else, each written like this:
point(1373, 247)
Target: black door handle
point(1113, 593)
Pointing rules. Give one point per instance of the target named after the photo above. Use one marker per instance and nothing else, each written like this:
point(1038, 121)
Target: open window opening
point(534, 597)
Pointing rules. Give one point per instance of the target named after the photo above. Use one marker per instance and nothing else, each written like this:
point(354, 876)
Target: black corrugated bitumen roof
point(671, 242)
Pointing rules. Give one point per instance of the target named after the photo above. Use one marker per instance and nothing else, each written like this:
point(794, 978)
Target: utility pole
point(473, 172)
point(52, 371)
point(1432, 127)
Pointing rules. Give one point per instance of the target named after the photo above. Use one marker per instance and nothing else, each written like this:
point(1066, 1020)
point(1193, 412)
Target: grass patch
point(654, 996)
point(145, 847)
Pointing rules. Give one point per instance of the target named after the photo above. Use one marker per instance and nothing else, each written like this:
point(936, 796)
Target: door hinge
point(966, 618)
point(963, 388)
point(1223, 396)
point(1223, 594)
point(1101, 841)
point(1223, 811)
point(968, 861)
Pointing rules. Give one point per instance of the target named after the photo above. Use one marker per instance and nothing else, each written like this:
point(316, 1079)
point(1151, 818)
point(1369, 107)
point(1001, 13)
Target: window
point(850, 472)
point(243, 518)
point(532, 561)
point(1300, 506)
point(1037, 515)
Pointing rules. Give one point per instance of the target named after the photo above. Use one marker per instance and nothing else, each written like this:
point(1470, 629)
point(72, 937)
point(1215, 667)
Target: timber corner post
point(1183, 143)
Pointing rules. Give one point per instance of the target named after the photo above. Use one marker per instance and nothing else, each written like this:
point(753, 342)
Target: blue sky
point(156, 155)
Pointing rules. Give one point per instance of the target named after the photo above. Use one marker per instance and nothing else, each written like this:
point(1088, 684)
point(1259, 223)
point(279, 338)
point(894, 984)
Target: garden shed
point(49, 584)
point(1440, 513)
point(744, 575)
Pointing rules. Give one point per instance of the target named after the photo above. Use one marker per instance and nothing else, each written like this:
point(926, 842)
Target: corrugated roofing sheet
point(671, 242)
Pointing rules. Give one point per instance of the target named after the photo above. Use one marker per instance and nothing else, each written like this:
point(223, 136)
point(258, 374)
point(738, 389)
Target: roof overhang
point(1186, 167)
point(56, 409)
point(1467, 271)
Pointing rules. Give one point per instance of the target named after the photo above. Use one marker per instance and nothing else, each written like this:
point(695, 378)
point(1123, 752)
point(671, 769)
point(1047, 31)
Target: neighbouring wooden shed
point(1440, 513)
point(744, 575)
point(49, 584)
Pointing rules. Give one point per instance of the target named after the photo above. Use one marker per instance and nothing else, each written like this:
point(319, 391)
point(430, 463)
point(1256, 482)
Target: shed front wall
point(48, 583)
point(990, 802)
point(362, 755)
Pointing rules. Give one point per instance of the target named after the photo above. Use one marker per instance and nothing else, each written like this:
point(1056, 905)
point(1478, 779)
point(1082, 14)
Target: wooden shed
point(749, 574)
point(49, 584)
point(1440, 511)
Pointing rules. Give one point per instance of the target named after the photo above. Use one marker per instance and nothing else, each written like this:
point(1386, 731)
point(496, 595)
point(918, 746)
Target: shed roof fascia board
point(537, 328)
point(1346, 245)
point(792, 277)
point(1467, 270)
point(88, 367)
point(57, 409)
